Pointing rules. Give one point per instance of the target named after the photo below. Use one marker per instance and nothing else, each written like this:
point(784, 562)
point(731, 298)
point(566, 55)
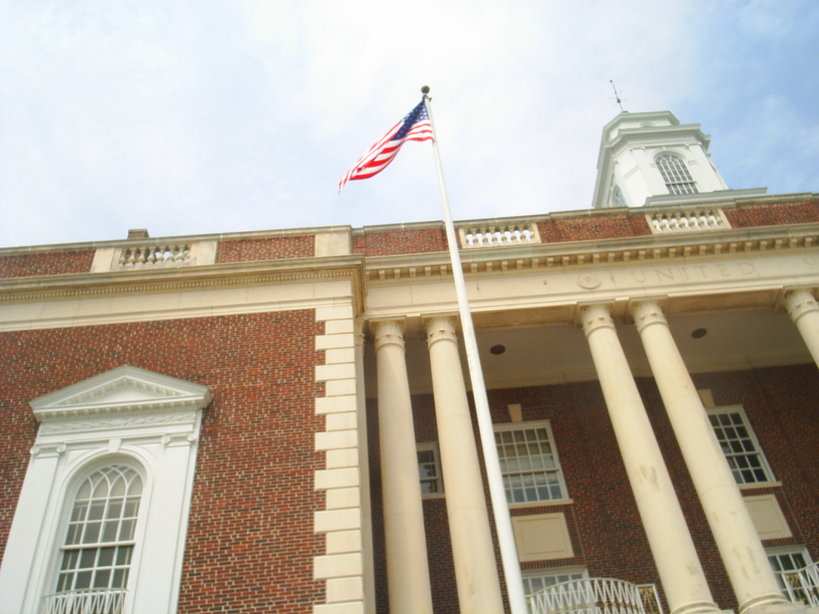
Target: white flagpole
point(503, 522)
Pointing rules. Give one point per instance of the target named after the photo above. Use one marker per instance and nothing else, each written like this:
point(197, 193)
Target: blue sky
point(208, 116)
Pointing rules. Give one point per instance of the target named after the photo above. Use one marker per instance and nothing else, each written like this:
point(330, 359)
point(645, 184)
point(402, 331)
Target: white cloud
point(218, 115)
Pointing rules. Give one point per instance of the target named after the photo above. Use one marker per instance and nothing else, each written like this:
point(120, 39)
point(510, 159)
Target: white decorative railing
point(801, 585)
point(494, 235)
point(155, 255)
point(90, 601)
point(597, 596)
point(687, 220)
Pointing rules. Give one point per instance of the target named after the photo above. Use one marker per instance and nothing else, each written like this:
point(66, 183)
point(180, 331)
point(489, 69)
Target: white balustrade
point(687, 220)
point(596, 596)
point(87, 601)
point(496, 235)
point(155, 255)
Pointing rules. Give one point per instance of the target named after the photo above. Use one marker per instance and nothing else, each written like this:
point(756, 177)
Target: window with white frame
point(797, 576)
point(536, 581)
point(95, 556)
point(102, 516)
point(739, 445)
point(429, 469)
point(675, 174)
point(529, 463)
point(617, 198)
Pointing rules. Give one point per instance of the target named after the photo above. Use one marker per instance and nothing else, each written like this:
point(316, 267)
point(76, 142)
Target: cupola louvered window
point(675, 174)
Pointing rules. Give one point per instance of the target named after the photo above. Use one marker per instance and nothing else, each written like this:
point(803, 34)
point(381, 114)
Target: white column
point(671, 546)
point(804, 312)
point(407, 566)
point(738, 542)
point(368, 564)
point(476, 571)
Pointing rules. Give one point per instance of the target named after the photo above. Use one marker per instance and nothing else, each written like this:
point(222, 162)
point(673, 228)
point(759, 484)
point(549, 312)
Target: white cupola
point(649, 158)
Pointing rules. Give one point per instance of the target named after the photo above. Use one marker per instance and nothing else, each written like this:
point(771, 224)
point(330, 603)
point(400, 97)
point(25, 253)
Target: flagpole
point(497, 494)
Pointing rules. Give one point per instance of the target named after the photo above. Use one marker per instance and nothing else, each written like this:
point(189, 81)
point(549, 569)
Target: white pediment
point(123, 389)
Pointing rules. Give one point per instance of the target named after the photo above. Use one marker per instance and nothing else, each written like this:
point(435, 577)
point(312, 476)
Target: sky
point(192, 117)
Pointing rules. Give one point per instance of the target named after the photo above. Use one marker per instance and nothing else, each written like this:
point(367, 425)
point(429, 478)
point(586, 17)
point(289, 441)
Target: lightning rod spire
point(617, 96)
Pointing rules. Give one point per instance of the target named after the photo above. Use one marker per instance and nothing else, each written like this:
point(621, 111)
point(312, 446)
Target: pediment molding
point(124, 391)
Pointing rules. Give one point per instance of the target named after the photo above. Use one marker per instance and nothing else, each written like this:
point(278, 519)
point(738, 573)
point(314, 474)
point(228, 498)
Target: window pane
point(74, 532)
point(70, 559)
point(124, 556)
point(96, 513)
point(119, 578)
point(675, 175)
point(64, 582)
point(92, 533)
point(87, 558)
point(83, 580)
point(79, 511)
point(126, 531)
point(109, 532)
point(101, 578)
point(739, 447)
point(106, 558)
point(131, 507)
point(530, 469)
point(96, 510)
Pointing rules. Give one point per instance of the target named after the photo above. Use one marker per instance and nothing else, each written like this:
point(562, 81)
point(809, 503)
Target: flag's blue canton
point(416, 126)
point(418, 114)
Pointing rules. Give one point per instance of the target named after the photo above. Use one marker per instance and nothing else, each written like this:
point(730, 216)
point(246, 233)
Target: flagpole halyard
point(497, 494)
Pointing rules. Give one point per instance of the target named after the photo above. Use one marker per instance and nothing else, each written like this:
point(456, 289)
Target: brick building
point(278, 421)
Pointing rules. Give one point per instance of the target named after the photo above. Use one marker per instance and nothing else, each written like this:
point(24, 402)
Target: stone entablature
point(478, 236)
point(678, 248)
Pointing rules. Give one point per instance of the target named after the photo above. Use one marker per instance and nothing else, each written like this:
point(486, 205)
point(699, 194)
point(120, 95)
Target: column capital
point(799, 301)
point(440, 328)
point(595, 316)
point(388, 332)
point(647, 312)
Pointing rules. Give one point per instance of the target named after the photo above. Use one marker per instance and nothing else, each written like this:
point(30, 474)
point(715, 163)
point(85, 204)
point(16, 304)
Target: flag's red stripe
point(383, 151)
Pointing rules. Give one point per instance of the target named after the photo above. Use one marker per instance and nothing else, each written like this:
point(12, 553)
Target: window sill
point(759, 485)
point(552, 503)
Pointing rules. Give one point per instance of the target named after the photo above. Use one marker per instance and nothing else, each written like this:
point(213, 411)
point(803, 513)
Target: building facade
point(280, 421)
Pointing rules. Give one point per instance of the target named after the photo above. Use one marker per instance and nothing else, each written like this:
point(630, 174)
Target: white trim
point(432, 446)
point(765, 466)
point(131, 413)
point(558, 469)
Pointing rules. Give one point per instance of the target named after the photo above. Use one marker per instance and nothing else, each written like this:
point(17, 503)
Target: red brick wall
point(603, 520)
point(767, 214)
point(596, 226)
point(250, 544)
point(246, 250)
point(46, 263)
point(780, 404)
point(386, 243)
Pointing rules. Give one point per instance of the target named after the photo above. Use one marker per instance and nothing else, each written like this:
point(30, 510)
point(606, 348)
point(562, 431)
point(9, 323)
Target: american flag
point(414, 127)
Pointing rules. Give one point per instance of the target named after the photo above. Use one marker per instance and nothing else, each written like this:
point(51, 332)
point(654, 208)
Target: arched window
point(75, 545)
point(617, 198)
point(675, 174)
point(95, 554)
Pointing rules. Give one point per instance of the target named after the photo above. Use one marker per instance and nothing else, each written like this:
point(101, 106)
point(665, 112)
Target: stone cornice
point(146, 281)
point(496, 260)
point(226, 236)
